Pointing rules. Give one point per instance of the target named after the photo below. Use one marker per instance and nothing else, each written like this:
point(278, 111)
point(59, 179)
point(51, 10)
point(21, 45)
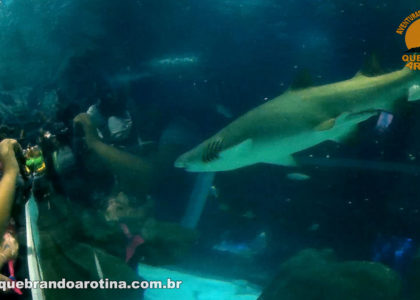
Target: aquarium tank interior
point(210, 149)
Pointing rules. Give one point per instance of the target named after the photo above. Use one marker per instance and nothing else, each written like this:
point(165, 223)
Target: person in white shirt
point(113, 121)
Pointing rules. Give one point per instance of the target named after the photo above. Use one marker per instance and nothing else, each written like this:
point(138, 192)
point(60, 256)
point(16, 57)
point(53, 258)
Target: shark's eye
point(212, 150)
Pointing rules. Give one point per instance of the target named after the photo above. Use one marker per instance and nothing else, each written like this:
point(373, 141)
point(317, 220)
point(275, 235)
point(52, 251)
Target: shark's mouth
point(179, 164)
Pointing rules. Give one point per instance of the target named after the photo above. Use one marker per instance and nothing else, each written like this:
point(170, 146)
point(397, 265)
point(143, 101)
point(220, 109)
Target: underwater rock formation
point(317, 275)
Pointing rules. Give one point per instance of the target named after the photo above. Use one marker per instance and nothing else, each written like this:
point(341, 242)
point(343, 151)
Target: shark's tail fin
point(414, 92)
point(413, 77)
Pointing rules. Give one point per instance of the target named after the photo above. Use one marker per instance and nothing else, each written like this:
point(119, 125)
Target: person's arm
point(8, 181)
point(132, 170)
point(9, 249)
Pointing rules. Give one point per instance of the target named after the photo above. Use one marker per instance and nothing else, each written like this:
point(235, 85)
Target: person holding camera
point(10, 169)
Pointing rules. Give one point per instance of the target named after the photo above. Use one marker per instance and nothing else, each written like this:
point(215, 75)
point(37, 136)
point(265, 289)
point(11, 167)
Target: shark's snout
point(184, 161)
point(198, 159)
point(188, 161)
point(180, 163)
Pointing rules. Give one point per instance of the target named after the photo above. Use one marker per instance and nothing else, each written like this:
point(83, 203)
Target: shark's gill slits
point(212, 150)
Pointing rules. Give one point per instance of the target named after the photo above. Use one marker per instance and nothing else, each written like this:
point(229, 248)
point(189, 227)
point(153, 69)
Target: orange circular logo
point(411, 27)
point(412, 35)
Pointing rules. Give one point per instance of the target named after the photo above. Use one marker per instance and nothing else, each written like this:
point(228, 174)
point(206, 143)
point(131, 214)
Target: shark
point(301, 118)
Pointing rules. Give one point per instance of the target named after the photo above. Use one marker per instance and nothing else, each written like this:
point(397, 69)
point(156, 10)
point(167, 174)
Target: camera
point(34, 160)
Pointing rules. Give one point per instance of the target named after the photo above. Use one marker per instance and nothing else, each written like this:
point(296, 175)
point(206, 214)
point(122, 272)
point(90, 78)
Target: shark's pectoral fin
point(345, 124)
point(237, 150)
point(326, 125)
point(287, 161)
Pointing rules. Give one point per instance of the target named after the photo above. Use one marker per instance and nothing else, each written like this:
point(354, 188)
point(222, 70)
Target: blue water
point(186, 69)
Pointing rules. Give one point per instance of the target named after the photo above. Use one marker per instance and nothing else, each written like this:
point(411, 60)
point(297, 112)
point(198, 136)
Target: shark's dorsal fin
point(371, 67)
point(358, 74)
point(302, 80)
